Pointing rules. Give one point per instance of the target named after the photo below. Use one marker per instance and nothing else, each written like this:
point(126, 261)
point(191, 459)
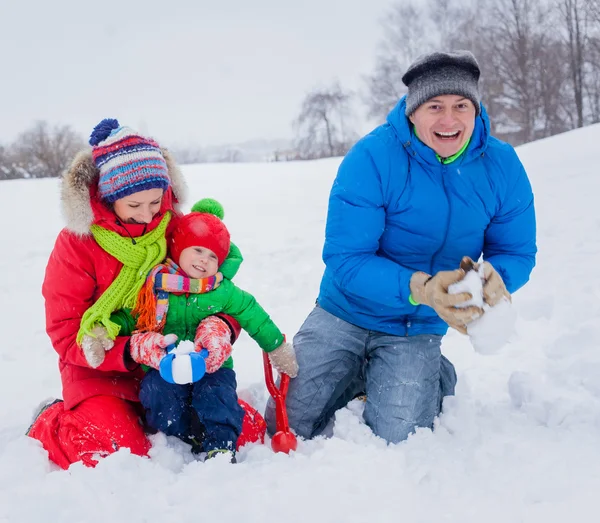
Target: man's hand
point(493, 284)
point(433, 291)
point(494, 289)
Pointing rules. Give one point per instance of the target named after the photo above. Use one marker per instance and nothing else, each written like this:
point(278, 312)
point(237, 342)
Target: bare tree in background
point(411, 29)
point(443, 16)
point(44, 151)
point(539, 59)
point(517, 40)
point(322, 124)
point(592, 81)
point(472, 33)
point(8, 170)
point(384, 87)
point(574, 17)
point(592, 85)
point(556, 108)
point(404, 38)
point(593, 9)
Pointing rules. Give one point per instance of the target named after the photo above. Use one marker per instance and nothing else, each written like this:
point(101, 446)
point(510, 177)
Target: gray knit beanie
point(438, 73)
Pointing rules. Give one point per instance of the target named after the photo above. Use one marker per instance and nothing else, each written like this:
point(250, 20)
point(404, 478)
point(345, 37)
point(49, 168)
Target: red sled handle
point(278, 394)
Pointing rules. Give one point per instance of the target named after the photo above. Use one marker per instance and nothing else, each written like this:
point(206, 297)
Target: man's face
point(199, 262)
point(139, 207)
point(445, 123)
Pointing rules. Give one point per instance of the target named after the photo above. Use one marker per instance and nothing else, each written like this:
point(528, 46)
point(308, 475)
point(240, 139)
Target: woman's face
point(445, 123)
point(140, 207)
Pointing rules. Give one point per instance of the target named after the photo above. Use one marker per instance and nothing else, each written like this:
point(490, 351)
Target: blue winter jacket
point(395, 209)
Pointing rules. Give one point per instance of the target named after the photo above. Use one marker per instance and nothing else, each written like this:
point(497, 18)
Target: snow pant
point(96, 427)
point(404, 378)
point(205, 414)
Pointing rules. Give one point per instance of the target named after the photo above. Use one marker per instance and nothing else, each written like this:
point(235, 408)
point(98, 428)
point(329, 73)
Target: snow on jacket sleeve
point(355, 223)
point(510, 239)
point(68, 289)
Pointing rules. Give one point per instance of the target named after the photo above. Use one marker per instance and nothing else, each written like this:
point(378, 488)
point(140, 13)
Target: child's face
point(199, 262)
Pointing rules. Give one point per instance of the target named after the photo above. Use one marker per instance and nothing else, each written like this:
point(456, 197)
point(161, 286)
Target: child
point(206, 413)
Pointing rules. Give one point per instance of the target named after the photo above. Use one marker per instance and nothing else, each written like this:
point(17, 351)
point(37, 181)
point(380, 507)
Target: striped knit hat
point(128, 163)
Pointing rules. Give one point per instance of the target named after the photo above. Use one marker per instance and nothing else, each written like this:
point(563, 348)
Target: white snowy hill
point(520, 441)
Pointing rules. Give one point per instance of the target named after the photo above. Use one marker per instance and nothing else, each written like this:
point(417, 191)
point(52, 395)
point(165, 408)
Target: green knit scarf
point(137, 260)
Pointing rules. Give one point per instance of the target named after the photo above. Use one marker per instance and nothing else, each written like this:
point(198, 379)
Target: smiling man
point(443, 100)
point(410, 200)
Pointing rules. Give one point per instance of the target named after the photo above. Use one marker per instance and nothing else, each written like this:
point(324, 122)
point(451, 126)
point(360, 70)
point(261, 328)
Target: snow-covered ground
point(520, 441)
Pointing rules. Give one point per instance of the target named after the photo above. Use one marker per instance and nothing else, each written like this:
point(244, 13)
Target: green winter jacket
point(186, 311)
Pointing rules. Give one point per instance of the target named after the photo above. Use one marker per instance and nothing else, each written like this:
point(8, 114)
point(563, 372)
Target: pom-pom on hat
point(202, 227)
point(128, 162)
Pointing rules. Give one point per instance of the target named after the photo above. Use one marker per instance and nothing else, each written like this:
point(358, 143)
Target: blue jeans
point(404, 378)
point(205, 414)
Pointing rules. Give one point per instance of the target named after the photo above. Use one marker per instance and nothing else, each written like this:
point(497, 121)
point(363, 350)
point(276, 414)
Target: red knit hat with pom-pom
point(202, 227)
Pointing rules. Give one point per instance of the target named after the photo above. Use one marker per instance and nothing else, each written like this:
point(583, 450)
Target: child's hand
point(95, 344)
point(283, 358)
point(214, 335)
point(148, 348)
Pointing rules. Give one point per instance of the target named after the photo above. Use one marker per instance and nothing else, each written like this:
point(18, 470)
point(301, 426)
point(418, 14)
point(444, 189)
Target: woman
point(118, 200)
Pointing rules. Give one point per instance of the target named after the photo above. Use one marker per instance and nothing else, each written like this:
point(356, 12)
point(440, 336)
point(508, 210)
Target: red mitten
point(214, 335)
point(148, 348)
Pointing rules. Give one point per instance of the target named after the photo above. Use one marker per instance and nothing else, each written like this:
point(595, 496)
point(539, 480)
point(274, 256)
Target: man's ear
point(412, 118)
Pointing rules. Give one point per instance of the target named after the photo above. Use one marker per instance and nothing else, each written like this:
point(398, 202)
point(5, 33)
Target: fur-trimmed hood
point(82, 177)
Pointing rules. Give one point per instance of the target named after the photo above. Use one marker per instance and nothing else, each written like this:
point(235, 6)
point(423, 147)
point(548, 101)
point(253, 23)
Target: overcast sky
point(198, 71)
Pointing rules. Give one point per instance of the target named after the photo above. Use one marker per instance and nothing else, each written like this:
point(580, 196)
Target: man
point(118, 200)
point(410, 200)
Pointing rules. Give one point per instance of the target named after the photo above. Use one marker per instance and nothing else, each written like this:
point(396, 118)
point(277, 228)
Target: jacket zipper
point(187, 318)
point(441, 247)
point(408, 323)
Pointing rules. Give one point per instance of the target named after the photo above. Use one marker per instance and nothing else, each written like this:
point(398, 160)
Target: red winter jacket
point(77, 274)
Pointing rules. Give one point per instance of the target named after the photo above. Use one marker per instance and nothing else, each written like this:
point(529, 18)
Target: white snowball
point(493, 330)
